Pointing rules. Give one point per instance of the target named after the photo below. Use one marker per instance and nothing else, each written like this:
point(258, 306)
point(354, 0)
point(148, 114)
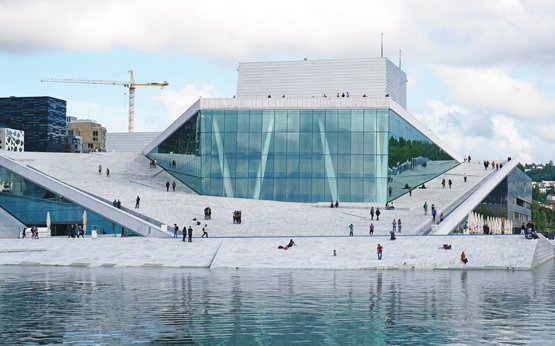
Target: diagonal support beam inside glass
point(330, 172)
point(263, 159)
point(224, 168)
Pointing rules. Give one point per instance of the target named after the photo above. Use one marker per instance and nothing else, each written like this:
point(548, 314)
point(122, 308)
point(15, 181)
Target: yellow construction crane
point(128, 84)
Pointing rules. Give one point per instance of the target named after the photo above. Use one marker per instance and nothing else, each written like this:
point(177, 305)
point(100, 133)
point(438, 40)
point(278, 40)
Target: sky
point(481, 74)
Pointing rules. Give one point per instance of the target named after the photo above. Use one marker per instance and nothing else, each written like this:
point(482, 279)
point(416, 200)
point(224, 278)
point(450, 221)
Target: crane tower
point(131, 85)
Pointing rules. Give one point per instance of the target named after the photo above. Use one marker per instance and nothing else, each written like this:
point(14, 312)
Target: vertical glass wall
point(29, 203)
point(300, 155)
point(511, 198)
point(413, 158)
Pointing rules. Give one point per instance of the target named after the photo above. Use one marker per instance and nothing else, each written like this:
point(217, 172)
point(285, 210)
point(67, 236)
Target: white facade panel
point(316, 78)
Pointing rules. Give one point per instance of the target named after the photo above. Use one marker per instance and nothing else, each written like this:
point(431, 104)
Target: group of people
point(336, 204)
point(100, 170)
point(494, 165)
point(173, 185)
point(34, 232)
point(76, 231)
point(434, 212)
point(187, 233)
point(443, 183)
point(153, 164)
point(237, 216)
point(376, 212)
point(117, 203)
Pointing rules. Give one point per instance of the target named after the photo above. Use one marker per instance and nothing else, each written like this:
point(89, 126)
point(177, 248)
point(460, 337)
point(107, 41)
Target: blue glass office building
point(42, 118)
point(352, 152)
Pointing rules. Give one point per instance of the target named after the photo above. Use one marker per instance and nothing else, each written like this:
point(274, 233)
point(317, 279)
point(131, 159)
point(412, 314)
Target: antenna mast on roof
point(382, 46)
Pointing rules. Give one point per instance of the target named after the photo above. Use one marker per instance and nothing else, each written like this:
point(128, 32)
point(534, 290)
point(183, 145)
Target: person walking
point(137, 201)
point(443, 183)
point(372, 213)
point(190, 234)
point(23, 232)
point(434, 213)
point(99, 169)
point(184, 234)
point(204, 231)
point(351, 229)
point(107, 172)
point(378, 212)
point(465, 177)
point(394, 226)
point(425, 208)
point(175, 230)
point(450, 182)
point(371, 229)
point(380, 251)
point(399, 225)
point(173, 186)
point(122, 232)
point(168, 186)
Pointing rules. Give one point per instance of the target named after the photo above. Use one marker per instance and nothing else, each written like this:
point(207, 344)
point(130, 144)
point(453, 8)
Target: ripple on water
point(52, 305)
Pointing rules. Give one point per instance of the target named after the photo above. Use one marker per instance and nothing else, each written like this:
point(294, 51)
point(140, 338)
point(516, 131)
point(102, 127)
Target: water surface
point(116, 306)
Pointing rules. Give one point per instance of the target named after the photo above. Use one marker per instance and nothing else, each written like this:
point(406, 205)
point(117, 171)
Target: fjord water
point(117, 306)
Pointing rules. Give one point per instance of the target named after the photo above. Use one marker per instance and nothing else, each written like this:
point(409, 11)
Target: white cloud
point(482, 135)
point(428, 30)
point(496, 90)
point(176, 102)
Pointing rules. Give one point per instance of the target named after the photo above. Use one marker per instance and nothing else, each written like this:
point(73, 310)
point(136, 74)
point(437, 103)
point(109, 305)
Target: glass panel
point(281, 121)
point(230, 121)
point(306, 121)
point(243, 121)
point(331, 120)
point(357, 143)
point(344, 118)
point(293, 119)
point(382, 119)
point(369, 120)
point(255, 123)
point(357, 120)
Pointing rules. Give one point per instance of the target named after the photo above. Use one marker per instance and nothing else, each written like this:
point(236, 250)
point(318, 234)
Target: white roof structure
point(375, 77)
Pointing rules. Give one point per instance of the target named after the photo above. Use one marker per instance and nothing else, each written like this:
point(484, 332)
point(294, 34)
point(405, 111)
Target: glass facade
point(413, 158)
point(511, 199)
point(299, 155)
point(29, 203)
point(43, 119)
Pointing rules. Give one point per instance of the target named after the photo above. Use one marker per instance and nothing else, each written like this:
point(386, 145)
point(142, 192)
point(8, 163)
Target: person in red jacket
point(380, 250)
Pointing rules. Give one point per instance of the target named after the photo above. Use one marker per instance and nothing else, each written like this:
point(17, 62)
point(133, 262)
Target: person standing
point(394, 226)
point(450, 182)
point(173, 186)
point(168, 186)
point(99, 169)
point(399, 225)
point(190, 234)
point(425, 208)
point(443, 183)
point(371, 229)
point(465, 177)
point(380, 251)
point(434, 213)
point(184, 234)
point(122, 232)
point(372, 213)
point(204, 231)
point(137, 201)
point(107, 172)
point(351, 229)
point(378, 212)
point(175, 230)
